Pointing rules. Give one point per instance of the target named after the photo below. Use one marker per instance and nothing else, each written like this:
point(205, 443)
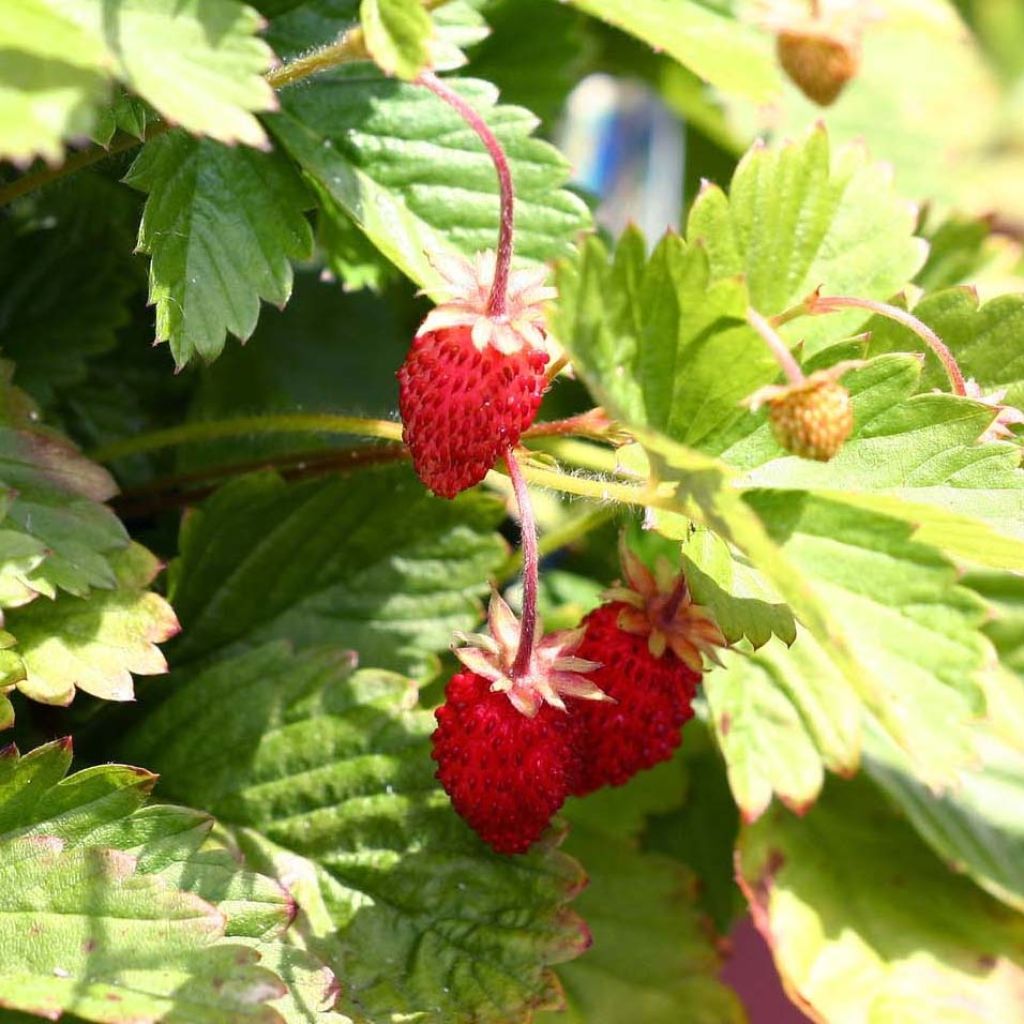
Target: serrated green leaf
point(128, 914)
point(865, 923)
point(707, 39)
point(198, 62)
point(126, 114)
point(797, 219)
point(652, 958)
point(96, 643)
point(53, 75)
point(348, 253)
point(650, 338)
point(417, 180)
point(221, 225)
point(782, 716)
point(916, 458)
point(387, 569)
point(742, 600)
point(325, 778)
point(397, 34)
point(56, 495)
point(54, 318)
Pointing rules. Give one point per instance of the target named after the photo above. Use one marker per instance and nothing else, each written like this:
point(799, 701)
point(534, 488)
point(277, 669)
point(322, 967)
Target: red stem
point(779, 349)
point(499, 288)
point(531, 562)
point(828, 303)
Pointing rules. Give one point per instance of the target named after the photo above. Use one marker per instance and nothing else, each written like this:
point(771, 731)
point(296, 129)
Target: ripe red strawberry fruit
point(472, 382)
point(649, 638)
point(504, 746)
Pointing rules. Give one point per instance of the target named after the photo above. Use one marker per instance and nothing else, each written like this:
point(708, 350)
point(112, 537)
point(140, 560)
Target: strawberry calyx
point(1006, 415)
point(660, 607)
point(554, 670)
point(467, 288)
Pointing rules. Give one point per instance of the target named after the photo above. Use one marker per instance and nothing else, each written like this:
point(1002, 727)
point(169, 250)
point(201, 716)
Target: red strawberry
point(649, 639)
point(503, 745)
point(506, 774)
point(472, 382)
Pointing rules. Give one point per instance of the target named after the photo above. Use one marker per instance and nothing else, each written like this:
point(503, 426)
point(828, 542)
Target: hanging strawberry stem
point(531, 570)
point(496, 306)
point(778, 347)
point(817, 304)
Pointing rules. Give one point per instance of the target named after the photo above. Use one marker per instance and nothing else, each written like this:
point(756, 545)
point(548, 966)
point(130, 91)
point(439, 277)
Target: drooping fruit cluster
point(598, 704)
point(812, 418)
point(650, 639)
point(473, 380)
point(504, 743)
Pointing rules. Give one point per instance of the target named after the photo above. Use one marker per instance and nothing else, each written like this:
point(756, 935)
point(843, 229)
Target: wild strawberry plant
point(508, 555)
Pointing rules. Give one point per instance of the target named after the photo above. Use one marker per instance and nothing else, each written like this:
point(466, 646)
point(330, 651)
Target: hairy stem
point(499, 289)
point(213, 430)
point(778, 347)
point(531, 568)
point(830, 303)
point(592, 518)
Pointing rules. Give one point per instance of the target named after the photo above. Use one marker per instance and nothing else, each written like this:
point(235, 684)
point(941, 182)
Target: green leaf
point(797, 219)
point(744, 603)
point(325, 777)
point(865, 923)
point(385, 568)
point(121, 913)
point(199, 63)
point(976, 826)
point(782, 716)
point(397, 34)
point(220, 224)
point(916, 458)
point(725, 52)
point(652, 957)
point(54, 318)
point(417, 180)
point(52, 77)
point(126, 114)
point(650, 338)
point(55, 521)
point(95, 644)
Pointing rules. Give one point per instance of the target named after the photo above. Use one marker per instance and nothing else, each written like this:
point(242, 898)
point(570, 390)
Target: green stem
point(778, 347)
point(348, 48)
point(213, 430)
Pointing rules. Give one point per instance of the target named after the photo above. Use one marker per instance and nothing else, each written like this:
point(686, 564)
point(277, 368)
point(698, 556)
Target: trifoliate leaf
point(54, 74)
point(397, 34)
point(417, 180)
point(95, 643)
point(123, 914)
point(382, 568)
point(866, 923)
point(199, 63)
point(326, 780)
point(796, 219)
point(56, 495)
point(221, 225)
point(708, 39)
point(782, 716)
